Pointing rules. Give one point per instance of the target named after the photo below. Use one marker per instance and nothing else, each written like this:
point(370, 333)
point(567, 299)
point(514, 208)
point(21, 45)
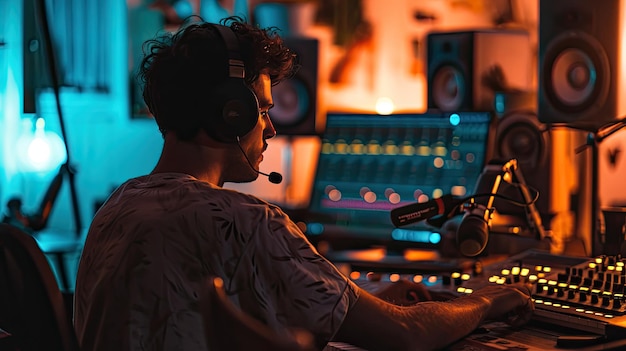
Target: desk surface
point(532, 337)
point(500, 337)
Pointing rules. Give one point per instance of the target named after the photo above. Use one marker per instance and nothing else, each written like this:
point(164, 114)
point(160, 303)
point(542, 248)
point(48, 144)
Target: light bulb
point(40, 150)
point(384, 106)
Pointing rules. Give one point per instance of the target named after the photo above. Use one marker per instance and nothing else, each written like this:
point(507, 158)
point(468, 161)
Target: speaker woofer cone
point(520, 136)
point(448, 88)
point(292, 103)
point(523, 142)
point(576, 74)
point(573, 77)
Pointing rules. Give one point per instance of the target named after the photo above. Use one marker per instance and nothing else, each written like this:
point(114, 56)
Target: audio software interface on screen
point(369, 164)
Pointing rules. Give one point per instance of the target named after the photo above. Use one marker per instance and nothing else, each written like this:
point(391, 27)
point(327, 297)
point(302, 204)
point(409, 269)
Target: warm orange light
point(420, 255)
point(376, 254)
point(384, 106)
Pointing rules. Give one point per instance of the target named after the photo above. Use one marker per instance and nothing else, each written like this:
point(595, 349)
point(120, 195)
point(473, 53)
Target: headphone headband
point(238, 106)
point(236, 68)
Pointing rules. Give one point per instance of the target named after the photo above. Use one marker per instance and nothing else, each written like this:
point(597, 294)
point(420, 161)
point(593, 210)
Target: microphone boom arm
point(510, 172)
point(532, 214)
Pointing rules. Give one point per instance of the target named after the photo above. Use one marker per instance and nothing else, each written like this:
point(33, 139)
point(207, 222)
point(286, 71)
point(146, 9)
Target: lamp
point(39, 150)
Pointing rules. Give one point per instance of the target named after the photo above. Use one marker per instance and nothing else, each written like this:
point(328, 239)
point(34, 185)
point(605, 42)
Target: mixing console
point(587, 294)
point(578, 293)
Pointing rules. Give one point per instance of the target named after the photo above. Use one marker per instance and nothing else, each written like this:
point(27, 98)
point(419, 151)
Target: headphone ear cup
point(236, 110)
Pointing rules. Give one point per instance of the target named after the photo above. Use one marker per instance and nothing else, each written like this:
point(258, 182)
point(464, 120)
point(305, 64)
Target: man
point(158, 237)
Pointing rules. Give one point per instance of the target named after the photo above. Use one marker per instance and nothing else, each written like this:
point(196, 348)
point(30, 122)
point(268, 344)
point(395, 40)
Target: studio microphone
point(273, 177)
point(440, 207)
point(473, 231)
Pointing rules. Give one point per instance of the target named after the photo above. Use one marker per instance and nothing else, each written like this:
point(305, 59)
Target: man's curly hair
point(180, 70)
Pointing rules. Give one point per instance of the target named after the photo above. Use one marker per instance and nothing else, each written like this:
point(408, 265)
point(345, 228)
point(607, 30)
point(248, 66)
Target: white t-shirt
point(155, 241)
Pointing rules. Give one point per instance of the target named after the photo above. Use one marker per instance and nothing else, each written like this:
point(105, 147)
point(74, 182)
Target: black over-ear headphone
point(234, 102)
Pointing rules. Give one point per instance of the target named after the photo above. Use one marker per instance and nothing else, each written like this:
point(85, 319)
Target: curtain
point(81, 35)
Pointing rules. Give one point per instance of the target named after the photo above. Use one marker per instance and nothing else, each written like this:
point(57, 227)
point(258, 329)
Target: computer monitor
point(369, 164)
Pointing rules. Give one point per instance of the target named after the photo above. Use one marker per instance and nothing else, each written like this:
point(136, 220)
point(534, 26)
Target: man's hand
point(510, 303)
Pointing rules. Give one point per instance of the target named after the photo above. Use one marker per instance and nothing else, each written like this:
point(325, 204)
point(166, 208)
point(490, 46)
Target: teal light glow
point(418, 236)
point(315, 228)
point(499, 103)
point(40, 150)
point(455, 119)
point(434, 238)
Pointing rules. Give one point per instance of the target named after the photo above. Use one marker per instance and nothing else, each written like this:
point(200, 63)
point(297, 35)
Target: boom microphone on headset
point(273, 177)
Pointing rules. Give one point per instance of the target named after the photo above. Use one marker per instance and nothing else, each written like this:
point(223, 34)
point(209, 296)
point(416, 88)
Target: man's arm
point(405, 293)
point(377, 325)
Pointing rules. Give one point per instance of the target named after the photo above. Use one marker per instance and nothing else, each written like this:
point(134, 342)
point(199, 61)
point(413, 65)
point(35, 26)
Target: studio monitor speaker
point(295, 99)
point(579, 62)
point(465, 68)
point(520, 135)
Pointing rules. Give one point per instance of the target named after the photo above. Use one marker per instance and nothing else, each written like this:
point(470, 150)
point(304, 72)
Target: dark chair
point(32, 308)
point(229, 328)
